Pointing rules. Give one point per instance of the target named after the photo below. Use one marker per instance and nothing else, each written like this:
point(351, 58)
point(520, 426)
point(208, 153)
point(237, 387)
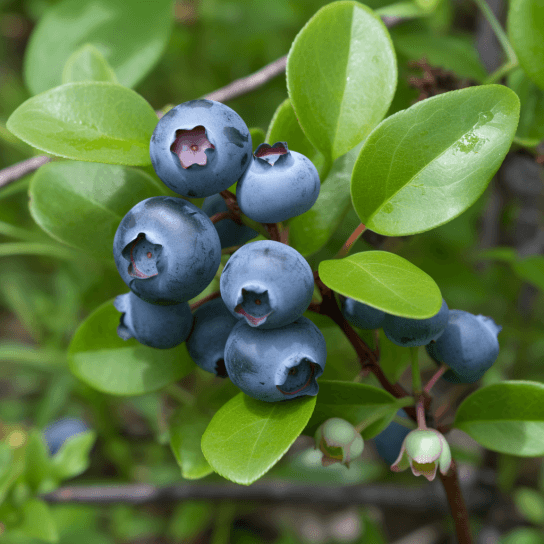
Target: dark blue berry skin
point(61, 430)
point(361, 315)
point(200, 148)
point(469, 346)
point(267, 284)
point(279, 184)
point(406, 332)
point(389, 441)
point(276, 364)
point(206, 344)
point(166, 250)
point(230, 233)
point(153, 325)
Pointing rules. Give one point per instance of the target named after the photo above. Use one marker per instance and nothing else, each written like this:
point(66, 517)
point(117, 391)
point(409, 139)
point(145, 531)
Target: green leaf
point(531, 119)
point(81, 203)
point(456, 53)
point(530, 503)
point(284, 127)
point(130, 35)
point(246, 437)
point(353, 402)
point(406, 10)
point(394, 359)
point(88, 121)
point(38, 521)
point(187, 425)
point(385, 281)
point(38, 465)
point(310, 231)
point(506, 417)
point(523, 535)
point(341, 76)
point(87, 64)
point(73, 456)
point(530, 269)
point(426, 165)
point(525, 24)
point(102, 360)
point(257, 137)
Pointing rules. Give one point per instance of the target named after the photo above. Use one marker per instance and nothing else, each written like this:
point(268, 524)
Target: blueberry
point(279, 184)
point(276, 364)
point(389, 441)
point(200, 148)
point(362, 315)
point(153, 325)
point(206, 344)
point(407, 332)
point(61, 430)
point(469, 346)
point(166, 250)
point(230, 233)
point(266, 283)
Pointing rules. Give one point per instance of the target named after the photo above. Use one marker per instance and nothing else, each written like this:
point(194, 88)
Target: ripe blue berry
point(200, 148)
point(206, 344)
point(469, 346)
point(153, 325)
point(61, 430)
point(276, 364)
point(230, 233)
point(279, 184)
point(389, 441)
point(361, 315)
point(266, 283)
point(166, 250)
point(408, 332)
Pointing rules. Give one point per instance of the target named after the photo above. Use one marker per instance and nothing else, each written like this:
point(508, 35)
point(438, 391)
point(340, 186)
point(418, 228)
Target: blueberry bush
point(291, 288)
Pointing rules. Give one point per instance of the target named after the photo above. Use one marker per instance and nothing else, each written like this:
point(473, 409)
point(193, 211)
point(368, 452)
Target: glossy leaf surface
point(246, 437)
point(507, 417)
point(384, 281)
point(334, 67)
point(426, 165)
point(88, 121)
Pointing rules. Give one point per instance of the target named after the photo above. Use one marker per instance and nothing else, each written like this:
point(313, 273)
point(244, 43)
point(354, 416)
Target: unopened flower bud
point(339, 441)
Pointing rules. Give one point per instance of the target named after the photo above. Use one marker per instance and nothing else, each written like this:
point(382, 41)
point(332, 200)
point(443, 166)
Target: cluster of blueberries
point(167, 251)
point(465, 342)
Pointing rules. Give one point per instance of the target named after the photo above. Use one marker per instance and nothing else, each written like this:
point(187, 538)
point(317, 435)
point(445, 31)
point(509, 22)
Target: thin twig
point(21, 169)
point(425, 498)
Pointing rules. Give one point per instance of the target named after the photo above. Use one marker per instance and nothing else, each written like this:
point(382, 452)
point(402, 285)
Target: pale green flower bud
point(339, 442)
point(424, 451)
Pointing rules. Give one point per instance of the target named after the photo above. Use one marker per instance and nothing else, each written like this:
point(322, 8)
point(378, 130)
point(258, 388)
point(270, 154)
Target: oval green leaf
point(310, 231)
point(130, 35)
point(72, 458)
point(525, 24)
point(105, 362)
point(426, 165)
point(341, 76)
point(187, 425)
point(506, 417)
point(87, 64)
point(354, 402)
point(247, 437)
point(82, 203)
point(88, 121)
point(385, 281)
